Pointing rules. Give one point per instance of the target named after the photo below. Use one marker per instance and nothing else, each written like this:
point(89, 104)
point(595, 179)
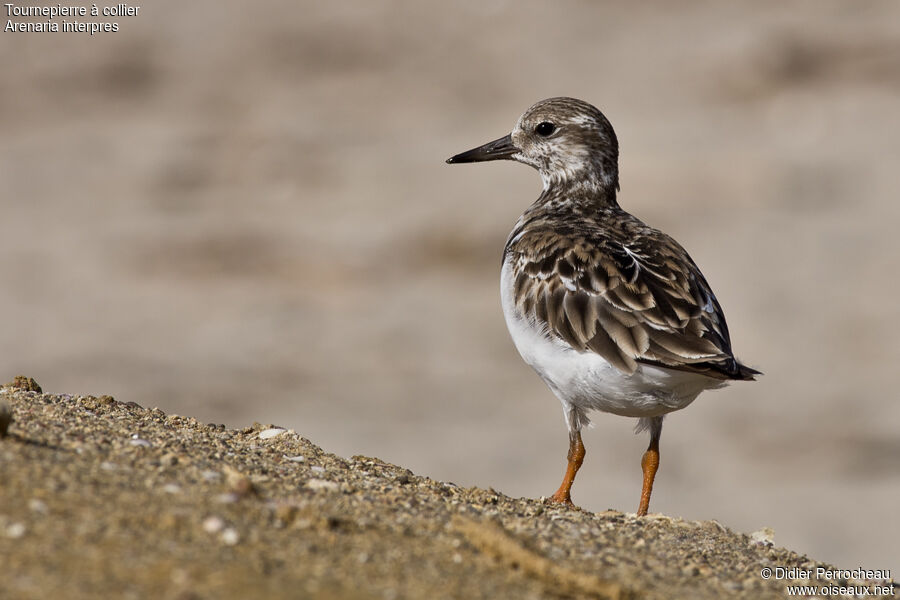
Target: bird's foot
point(561, 497)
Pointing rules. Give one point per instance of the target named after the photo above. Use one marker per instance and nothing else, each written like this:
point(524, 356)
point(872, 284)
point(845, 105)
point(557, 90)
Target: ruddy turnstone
point(611, 313)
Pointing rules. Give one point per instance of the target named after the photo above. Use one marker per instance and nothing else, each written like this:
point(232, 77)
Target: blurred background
point(241, 212)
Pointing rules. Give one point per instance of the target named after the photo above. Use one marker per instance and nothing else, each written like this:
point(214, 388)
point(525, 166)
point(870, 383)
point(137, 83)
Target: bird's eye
point(545, 129)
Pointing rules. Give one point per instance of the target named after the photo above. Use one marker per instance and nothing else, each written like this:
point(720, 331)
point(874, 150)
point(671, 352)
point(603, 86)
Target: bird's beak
point(496, 150)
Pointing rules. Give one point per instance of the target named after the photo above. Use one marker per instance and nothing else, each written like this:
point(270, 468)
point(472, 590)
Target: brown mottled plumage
point(612, 285)
point(612, 314)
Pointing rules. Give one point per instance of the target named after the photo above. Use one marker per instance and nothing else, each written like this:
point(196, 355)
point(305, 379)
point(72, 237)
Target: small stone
point(270, 433)
point(170, 459)
point(141, 443)
point(322, 484)
point(25, 384)
point(243, 487)
point(213, 524)
point(172, 488)
point(763, 537)
point(230, 536)
point(296, 459)
point(210, 475)
point(15, 530)
point(37, 505)
point(318, 469)
point(239, 483)
point(108, 466)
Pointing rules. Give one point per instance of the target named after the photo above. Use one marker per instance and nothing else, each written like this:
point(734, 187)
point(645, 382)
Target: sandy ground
point(241, 213)
point(107, 499)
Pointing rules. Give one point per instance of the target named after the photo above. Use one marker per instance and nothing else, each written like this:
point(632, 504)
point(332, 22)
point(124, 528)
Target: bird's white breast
point(587, 381)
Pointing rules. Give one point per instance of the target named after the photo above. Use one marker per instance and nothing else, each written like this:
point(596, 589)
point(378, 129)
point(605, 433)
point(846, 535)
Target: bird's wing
point(644, 301)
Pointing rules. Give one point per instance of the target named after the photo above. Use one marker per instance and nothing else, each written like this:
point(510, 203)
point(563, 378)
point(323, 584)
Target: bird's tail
point(743, 372)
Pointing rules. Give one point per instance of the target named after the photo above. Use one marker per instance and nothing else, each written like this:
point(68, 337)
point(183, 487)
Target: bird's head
point(567, 140)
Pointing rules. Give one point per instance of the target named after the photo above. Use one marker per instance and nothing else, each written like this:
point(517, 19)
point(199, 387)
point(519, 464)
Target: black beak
point(496, 150)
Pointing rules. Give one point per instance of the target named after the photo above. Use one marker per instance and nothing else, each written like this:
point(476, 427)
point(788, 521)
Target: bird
point(611, 313)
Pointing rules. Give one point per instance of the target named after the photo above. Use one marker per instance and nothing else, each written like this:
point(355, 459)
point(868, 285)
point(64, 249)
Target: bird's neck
point(580, 194)
point(595, 182)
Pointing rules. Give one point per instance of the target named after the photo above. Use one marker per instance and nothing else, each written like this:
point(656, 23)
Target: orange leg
point(575, 458)
point(649, 464)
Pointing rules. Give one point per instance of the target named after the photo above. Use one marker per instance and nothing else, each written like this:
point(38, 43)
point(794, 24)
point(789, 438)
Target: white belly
point(586, 381)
